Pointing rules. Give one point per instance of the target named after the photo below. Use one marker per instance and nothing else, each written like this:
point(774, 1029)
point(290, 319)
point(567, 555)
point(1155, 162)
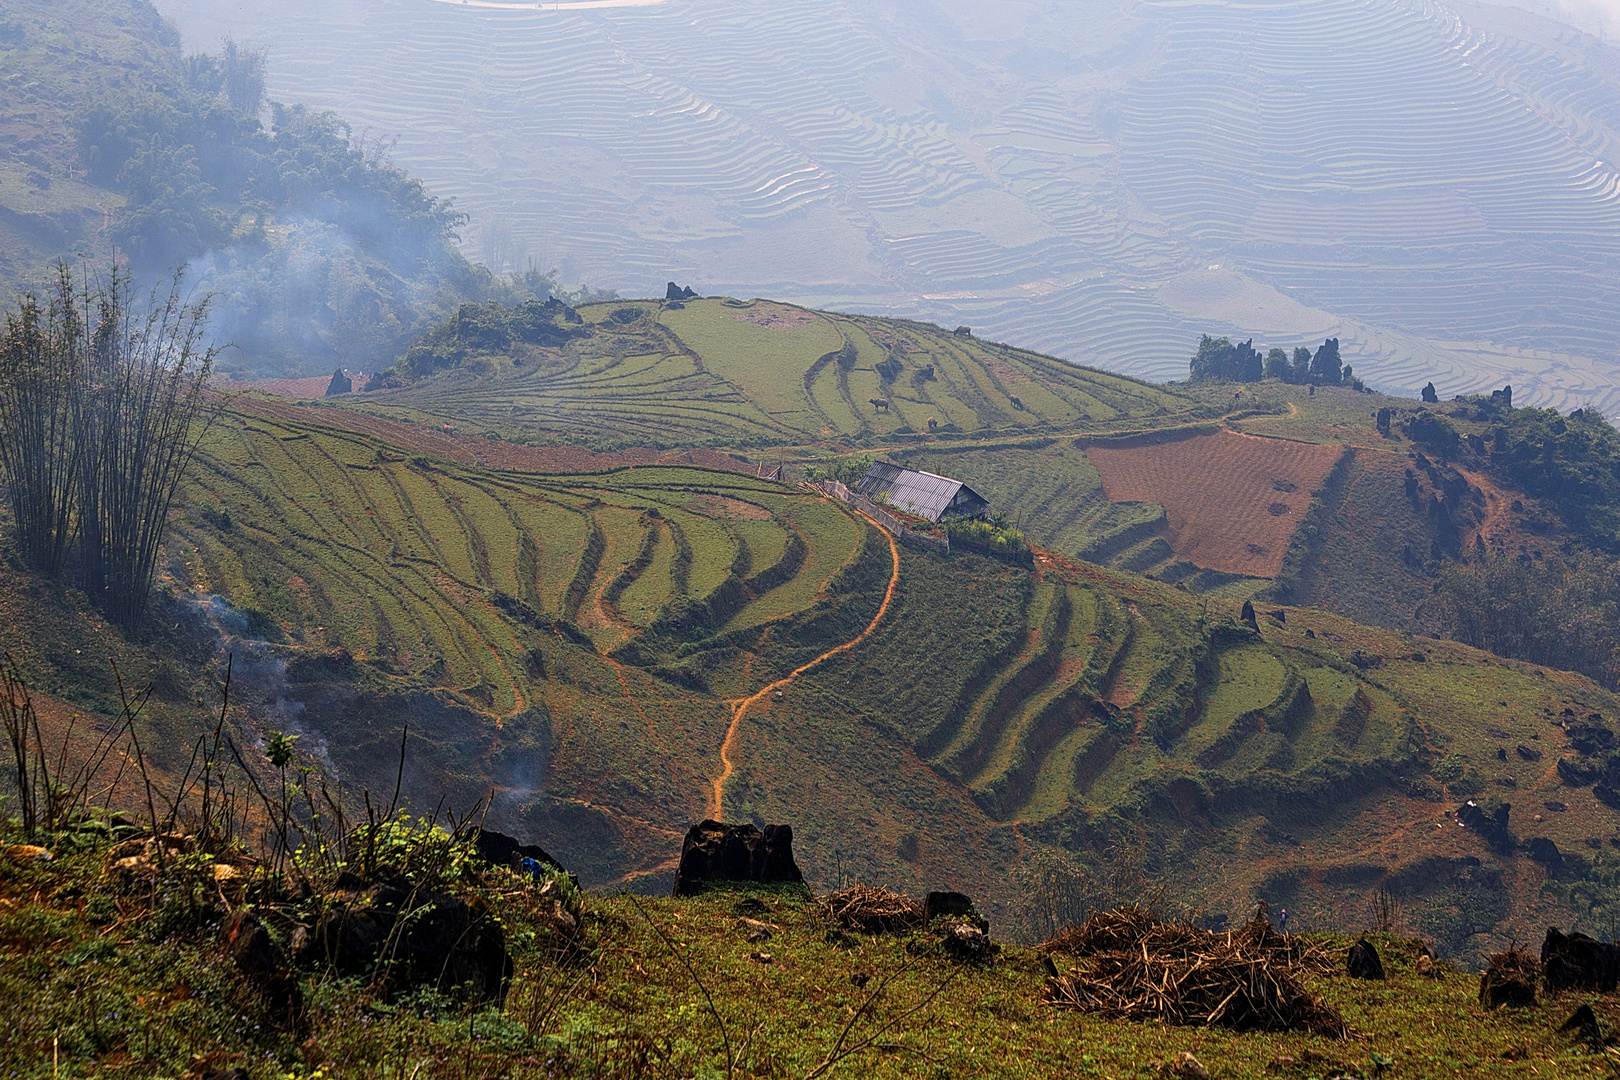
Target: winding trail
point(739, 707)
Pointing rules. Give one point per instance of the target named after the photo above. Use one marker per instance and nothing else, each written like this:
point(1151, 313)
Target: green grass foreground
point(126, 985)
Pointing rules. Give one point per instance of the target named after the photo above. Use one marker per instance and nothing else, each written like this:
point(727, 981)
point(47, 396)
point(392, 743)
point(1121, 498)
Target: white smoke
point(259, 680)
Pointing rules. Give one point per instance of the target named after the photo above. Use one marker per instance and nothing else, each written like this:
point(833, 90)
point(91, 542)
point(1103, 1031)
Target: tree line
point(101, 409)
point(1563, 612)
point(1219, 360)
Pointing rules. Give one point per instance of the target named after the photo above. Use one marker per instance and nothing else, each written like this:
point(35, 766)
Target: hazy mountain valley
point(1284, 610)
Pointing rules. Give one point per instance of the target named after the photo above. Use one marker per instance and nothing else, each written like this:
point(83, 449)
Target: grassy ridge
point(733, 373)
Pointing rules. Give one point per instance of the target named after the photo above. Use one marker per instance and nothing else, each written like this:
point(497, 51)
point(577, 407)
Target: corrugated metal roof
point(924, 494)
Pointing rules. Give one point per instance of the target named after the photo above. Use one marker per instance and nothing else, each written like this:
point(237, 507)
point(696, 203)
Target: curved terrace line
point(565, 5)
point(740, 708)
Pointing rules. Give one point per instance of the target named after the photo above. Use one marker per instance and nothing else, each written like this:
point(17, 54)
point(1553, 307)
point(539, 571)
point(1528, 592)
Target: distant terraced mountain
point(1433, 184)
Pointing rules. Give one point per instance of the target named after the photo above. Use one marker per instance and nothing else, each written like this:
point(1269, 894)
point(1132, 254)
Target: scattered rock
point(1544, 851)
point(1363, 962)
point(216, 1065)
point(761, 957)
point(749, 905)
point(1429, 968)
point(1578, 962)
point(1492, 827)
point(261, 963)
point(966, 940)
point(840, 940)
point(498, 849)
point(946, 903)
point(1185, 1067)
point(420, 937)
point(1577, 773)
point(859, 979)
point(738, 853)
point(28, 853)
point(1528, 753)
point(1584, 1023)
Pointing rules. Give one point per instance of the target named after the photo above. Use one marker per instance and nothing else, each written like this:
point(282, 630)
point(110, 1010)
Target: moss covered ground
point(99, 982)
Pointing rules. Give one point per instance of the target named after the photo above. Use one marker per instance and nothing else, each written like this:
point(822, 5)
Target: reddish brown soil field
point(477, 450)
point(1231, 500)
point(312, 387)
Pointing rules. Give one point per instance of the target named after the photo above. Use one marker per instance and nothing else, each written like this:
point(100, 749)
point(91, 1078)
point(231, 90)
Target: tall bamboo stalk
point(99, 418)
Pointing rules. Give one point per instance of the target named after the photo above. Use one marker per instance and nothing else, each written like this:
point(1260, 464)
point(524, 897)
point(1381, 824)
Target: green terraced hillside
point(600, 652)
point(758, 373)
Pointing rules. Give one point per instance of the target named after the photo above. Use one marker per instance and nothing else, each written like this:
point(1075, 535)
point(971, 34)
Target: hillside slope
point(579, 645)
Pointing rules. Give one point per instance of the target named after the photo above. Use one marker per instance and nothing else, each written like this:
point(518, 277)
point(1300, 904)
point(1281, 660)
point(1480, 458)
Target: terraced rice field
point(420, 565)
point(1441, 196)
point(1231, 501)
point(734, 373)
point(1102, 699)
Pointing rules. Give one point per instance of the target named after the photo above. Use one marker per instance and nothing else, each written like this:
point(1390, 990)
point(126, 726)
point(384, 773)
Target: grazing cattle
point(963, 331)
point(879, 402)
point(1019, 405)
point(933, 425)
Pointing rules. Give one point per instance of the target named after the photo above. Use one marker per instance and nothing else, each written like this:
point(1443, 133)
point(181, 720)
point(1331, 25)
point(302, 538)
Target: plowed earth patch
point(1231, 501)
point(468, 449)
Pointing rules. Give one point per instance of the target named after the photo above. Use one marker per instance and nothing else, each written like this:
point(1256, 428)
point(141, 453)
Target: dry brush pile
point(1134, 965)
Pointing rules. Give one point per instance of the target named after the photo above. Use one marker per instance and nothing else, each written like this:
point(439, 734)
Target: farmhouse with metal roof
point(921, 493)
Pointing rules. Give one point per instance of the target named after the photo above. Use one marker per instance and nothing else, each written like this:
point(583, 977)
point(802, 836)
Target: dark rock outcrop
point(498, 849)
point(1583, 1022)
point(715, 852)
point(340, 384)
point(676, 292)
point(1363, 962)
point(413, 937)
point(1492, 827)
point(1544, 851)
point(261, 962)
point(946, 903)
point(1578, 962)
point(1578, 773)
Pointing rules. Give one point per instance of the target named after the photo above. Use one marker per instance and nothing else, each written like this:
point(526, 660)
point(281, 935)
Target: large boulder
point(412, 936)
point(714, 852)
point(1363, 962)
point(340, 384)
point(1578, 962)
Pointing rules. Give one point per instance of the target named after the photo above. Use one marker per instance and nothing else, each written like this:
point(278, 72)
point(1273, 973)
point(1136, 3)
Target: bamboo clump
point(1135, 966)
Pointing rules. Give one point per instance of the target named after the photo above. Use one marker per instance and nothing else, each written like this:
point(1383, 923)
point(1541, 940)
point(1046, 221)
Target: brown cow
point(1019, 405)
point(933, 425)
point(879, 402)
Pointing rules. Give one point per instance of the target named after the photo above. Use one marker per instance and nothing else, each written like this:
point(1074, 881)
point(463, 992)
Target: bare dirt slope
point(1231, 500)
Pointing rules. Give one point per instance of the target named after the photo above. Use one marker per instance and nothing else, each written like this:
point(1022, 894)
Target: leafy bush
point(491, 330)
point(1571, 462)
point(994, 537)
